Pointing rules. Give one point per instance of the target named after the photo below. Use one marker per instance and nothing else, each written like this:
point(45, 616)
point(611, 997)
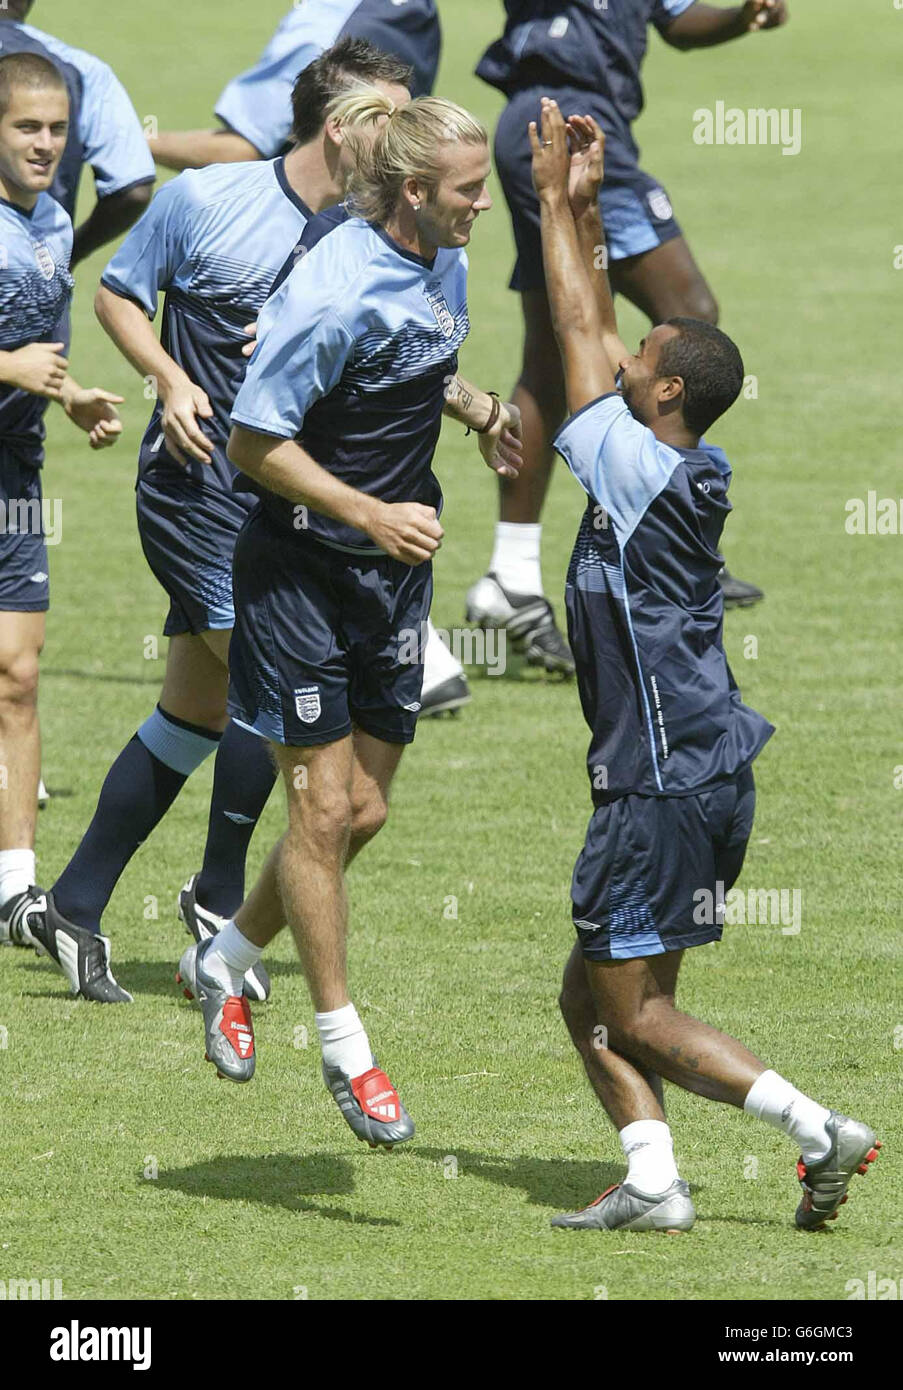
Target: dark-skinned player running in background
point(588, 56)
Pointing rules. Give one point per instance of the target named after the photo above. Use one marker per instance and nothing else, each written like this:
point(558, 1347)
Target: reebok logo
point(77, 1343)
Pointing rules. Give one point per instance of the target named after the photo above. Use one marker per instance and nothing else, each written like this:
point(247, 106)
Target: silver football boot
point(621, 1208)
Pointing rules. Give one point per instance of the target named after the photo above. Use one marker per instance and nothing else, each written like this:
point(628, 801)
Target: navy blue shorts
point(24, 581)
point(188, 536)
point(654, 870)
point(636, 211)
point(324, 640)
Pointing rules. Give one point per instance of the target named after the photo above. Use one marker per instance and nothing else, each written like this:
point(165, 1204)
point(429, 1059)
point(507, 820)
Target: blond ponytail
point(408, 145)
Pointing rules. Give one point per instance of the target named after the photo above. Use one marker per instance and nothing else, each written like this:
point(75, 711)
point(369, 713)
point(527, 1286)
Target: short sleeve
point(303, 345)
point(111, 133)
point(155, 248)
point(617, 461)
point(258, 103)
point(666, 11)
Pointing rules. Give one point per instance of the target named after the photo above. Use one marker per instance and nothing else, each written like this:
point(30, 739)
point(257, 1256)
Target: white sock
point(515, 559)
point(17, 872)
point(343, 1040)
point(649, 1151)
point(782, 1106)
point(439, 665)
point(230, 958)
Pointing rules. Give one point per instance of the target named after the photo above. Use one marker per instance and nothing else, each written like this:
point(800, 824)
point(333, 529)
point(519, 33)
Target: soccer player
point(253, 108)
point(104, 131)
point(35, 289)
point(213, 241)
point(588, 57)
point(337, 422)
point(672, 745)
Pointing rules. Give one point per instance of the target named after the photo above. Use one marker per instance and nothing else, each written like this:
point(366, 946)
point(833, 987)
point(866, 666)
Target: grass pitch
point(127, 1171)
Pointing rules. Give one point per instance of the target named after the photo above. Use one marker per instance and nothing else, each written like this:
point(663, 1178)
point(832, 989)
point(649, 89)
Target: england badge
point(307, 704)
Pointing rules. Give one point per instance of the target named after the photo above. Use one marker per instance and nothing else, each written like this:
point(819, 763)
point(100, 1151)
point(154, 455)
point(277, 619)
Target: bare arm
point(184, 403)
point(42, 370)
point(194, 149)
point(38, 367)
point(109, 218)
point(584, 182)
point(703, 26)
point(575, 306)
point(502, 445)
point(407, 531)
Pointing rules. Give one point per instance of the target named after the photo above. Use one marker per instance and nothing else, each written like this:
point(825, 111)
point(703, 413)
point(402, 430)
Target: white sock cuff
point(644, 1132)
point(516, 556)
point(240, 954)
point(338, 1024)
point(17, 872)
point(761, 1093)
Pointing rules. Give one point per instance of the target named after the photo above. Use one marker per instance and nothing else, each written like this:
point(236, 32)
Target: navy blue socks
point(243, 778)
point(139, 789)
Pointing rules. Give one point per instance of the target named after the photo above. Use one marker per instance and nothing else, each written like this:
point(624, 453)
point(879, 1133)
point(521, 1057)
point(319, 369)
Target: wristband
point(494, 414)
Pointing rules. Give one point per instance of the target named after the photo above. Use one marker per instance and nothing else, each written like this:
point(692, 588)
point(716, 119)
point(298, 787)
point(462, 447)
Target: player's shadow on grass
point(565, 1184)
point(102, 677)
point(274, 1180)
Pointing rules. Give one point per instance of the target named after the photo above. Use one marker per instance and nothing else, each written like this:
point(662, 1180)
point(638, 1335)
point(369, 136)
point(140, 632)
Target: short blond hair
point(407, 146)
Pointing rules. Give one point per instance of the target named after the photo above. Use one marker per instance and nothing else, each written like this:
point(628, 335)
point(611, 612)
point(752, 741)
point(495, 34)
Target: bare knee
point(577, 1005)
point(323, 826)
point(19, 682)
point(700, 303)
point(368, 819)
point(639, 1031)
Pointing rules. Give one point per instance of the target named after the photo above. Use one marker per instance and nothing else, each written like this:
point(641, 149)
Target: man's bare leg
point(636, 998)
point(21, 641)
point(627, 1091)
point(262, 915)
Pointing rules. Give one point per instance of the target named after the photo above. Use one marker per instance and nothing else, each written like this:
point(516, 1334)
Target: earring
point(416, 207)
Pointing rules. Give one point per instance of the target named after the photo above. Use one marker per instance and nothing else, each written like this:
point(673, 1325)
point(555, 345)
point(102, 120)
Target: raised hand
point(551, 156)
point(587, 142)
point(764, 14)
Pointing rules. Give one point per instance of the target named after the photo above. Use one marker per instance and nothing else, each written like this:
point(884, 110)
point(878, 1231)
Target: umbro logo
point(238, 818)
point(39, 577)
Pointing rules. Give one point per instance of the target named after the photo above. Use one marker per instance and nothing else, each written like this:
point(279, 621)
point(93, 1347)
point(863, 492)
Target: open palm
point(587, 142)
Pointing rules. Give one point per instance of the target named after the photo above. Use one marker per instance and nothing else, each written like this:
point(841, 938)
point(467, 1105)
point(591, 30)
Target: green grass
point(260, 1191)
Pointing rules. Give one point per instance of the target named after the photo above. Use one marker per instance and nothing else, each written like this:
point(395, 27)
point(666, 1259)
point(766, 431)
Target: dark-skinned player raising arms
point(672, 745)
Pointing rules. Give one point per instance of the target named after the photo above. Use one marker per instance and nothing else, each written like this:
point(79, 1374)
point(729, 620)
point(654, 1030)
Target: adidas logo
point(244, 1038)
point(386, 1112)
